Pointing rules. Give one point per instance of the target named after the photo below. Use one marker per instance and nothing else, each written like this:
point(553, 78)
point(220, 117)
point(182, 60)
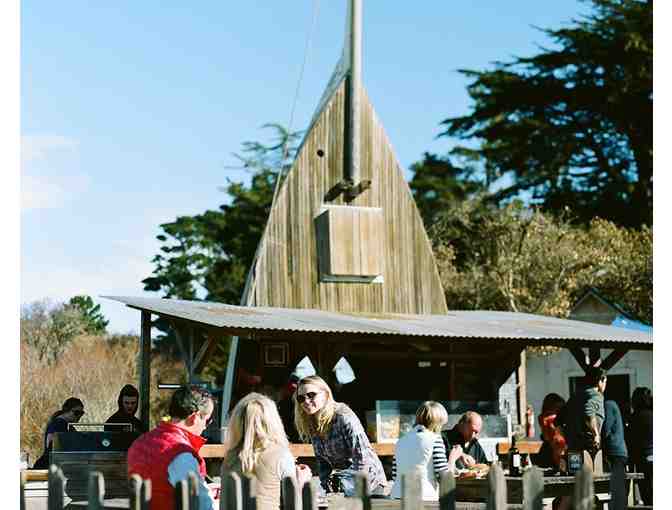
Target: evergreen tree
point(572, 126)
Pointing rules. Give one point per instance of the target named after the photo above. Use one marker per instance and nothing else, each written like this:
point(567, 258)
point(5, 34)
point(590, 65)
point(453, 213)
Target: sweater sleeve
point(179, 469)
point(439, 458)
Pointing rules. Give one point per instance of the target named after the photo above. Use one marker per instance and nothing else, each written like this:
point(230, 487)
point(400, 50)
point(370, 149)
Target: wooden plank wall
point(287, 273)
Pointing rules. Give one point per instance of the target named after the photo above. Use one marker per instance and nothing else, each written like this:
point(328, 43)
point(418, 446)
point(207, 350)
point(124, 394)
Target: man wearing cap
point(168, 453)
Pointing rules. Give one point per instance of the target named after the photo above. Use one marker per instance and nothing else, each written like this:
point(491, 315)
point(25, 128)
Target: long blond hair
point(255, 425)
point(319, 423)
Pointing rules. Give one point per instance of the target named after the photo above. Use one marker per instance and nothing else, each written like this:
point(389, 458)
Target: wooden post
point(192, 483)
point(411, 492)
point(145, 356)
point(22, 489)
point(362, 490)
point(522, 389)
point(580, 357)
point(290, 494)
point(182, 495)
point(497, 488)
point(583, 490)
point(231, 496)
point(447, 491)
point(248, 488)
point(594, 354)
point(533, 489)
point(56, 486)
point(96, 491)
point(140, 493)
point(309, 495)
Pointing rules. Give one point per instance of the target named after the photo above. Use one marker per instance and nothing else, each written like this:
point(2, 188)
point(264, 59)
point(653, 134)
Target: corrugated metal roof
point(484, 325)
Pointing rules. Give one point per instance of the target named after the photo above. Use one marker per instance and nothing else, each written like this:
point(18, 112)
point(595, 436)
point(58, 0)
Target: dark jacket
point(613, 438)
point(121, 417)
point(453, 437)
point(641, 435)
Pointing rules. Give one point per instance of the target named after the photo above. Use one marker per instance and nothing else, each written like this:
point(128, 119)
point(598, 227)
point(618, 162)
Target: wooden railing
point(237, 493)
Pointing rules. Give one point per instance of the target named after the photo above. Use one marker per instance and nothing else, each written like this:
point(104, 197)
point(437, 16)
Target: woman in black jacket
point(640, 440)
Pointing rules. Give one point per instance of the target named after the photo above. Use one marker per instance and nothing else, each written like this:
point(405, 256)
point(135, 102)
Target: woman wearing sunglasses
point(338, 437)
point(71, 411)
point(256, 445)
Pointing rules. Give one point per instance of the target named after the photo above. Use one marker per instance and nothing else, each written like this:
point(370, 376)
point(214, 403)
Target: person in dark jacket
point(614, 450)
point(71, 411)
point(640, 444)
point(465, 434)
point(128, 406)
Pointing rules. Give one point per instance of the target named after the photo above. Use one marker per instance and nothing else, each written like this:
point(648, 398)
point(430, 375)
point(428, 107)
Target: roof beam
point(614, 357)
point(580, 357)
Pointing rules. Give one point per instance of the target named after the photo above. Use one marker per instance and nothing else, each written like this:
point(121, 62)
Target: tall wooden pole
point(145, 352)
point(353, 84)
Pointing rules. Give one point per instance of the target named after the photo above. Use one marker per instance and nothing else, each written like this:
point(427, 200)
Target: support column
point(522, 388)
point(145, 358)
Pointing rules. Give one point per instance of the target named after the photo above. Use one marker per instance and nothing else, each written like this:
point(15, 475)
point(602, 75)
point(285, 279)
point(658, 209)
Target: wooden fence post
point(231, 495)
point(139, 493)
point(248, 486)
point(56, 486)
point(290, 494)
point(447, 491)
point(583, 489)
point(411, 492)
point(362, 490)
point(182, 495)
point(497, 488)
point(192, 482)
point(96, 490)
point(309, 494)
point(22, 489)
point(533, 489)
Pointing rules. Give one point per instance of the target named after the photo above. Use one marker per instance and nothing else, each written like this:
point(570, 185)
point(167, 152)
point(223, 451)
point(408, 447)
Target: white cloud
point(44, 183)
point(50, 192)
point(41, 147)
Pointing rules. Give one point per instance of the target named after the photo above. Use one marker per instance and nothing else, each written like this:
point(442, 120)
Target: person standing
point(337, 435)
point(422, 451)
point(465, 434)
point(256, 445)
point(614, 450)
point(286, 408)
point(71, 411)
point(168, 453)
point(640, 436)
point(581, 419)
point(128, 406)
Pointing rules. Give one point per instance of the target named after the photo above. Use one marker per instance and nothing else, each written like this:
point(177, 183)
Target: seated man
point(170, 452)
point(465, 434)
point(128, 406)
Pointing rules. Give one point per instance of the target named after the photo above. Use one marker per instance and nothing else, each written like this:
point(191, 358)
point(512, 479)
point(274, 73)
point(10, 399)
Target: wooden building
point(346, 249)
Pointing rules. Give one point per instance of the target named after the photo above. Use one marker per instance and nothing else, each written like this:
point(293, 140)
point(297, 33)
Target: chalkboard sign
point(574, 461)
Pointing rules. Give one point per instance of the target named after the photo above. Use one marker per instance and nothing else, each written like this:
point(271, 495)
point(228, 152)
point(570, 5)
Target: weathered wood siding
point(286, 273)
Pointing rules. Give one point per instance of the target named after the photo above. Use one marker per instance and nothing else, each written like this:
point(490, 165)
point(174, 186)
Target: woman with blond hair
point(337, 435)
point(421, 451)
point(256, 445)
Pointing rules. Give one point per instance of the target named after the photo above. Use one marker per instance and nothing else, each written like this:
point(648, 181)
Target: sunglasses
point(310, 396)
point(78, 413)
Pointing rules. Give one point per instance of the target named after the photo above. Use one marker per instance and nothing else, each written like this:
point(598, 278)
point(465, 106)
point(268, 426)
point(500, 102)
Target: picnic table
point(476, 489)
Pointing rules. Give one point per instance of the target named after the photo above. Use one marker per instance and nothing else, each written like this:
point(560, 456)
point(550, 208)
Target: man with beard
point(128, 406)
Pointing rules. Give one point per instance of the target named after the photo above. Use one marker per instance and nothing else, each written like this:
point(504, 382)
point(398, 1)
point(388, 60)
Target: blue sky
point(130, 113)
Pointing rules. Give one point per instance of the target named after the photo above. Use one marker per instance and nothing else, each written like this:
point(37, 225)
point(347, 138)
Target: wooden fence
point(238, 493)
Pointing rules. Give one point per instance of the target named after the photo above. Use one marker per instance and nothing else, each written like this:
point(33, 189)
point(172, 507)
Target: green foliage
point(95, 322)
point(523, 260)
point(437, 183)
point(207, 256)
point(572, 126)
